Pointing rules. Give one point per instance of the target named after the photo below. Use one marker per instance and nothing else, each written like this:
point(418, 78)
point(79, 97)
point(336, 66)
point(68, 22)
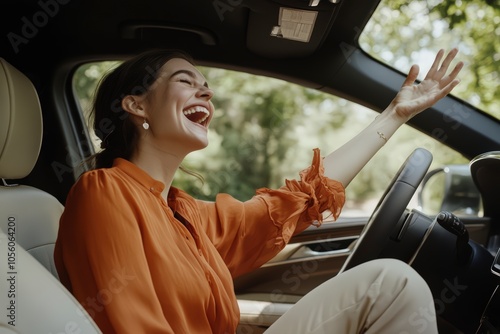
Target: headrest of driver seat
point(20, 123)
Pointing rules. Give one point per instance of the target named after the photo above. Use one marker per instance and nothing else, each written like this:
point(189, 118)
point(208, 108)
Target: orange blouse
point(140, 264)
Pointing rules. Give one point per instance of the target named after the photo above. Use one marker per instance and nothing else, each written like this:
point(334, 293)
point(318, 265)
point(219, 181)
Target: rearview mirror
point(450, 188)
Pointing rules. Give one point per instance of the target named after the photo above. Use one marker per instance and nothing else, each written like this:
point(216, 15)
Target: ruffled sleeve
point(325, 194)
point(248, 234)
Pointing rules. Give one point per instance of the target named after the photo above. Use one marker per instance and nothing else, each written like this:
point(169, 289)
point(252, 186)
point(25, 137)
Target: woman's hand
point(344, 163)
point(412, 99)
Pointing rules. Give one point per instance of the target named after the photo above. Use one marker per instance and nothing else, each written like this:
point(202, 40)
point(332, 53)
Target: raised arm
point(345, 163)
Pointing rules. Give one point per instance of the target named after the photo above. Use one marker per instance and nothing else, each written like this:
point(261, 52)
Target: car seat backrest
point(35, 213)
point(29, 220)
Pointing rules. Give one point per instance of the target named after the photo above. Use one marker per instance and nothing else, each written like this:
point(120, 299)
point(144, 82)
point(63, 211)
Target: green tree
point(255, 131)
point(264, 129)
point(402, 33)
point(85, 82)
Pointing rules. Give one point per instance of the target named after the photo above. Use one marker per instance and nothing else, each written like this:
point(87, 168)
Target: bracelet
point(381, 135)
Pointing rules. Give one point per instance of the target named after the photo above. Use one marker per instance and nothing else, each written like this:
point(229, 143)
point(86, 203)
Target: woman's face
point(178, 109)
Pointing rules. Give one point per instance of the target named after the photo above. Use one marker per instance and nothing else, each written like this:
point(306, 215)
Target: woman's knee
point(400, 278)
point(391, 275)
point(397, 269)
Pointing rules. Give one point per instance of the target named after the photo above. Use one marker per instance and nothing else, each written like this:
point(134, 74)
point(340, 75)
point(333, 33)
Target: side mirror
point(450, 188)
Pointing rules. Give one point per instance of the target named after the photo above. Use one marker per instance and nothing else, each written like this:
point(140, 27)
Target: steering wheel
point(390, 209)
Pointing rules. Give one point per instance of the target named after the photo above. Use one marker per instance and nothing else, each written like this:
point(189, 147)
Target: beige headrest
point(20, 123)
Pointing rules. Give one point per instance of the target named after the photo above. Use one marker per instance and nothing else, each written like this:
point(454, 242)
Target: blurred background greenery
point(264, 129)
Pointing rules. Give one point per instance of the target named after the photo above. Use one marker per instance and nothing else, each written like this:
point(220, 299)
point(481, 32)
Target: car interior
point(44, 138)
point(30, 267)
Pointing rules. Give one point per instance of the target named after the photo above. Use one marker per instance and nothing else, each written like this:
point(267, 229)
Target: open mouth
point(197, 115)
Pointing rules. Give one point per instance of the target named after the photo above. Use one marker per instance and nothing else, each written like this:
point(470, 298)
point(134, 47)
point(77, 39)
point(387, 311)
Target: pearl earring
point(145, 125)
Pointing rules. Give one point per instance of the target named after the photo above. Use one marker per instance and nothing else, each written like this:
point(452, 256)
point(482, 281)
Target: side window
point(264, 130)
point(85, 82)
point(450, 188)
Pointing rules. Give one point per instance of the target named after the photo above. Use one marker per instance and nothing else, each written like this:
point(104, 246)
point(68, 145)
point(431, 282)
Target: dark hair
point(110, 122)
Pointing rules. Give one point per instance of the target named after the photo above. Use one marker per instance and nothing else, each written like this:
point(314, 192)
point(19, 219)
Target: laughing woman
point(145, 257)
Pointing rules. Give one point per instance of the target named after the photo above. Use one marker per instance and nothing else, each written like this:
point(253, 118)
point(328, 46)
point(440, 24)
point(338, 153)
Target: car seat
point(32, 299)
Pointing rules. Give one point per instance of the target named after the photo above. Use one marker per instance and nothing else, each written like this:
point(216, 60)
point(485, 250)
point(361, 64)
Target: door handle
point(324, 248)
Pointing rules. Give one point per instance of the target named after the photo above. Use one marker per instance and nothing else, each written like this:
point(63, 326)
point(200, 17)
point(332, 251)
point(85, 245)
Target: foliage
point(401, 33)
point(255, 133)
point(85, 82)
point(264, 129)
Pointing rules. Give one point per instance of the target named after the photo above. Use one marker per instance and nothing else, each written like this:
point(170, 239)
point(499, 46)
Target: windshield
point(401, 34)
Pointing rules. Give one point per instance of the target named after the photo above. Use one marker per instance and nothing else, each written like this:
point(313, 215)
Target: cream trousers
point(380, 296)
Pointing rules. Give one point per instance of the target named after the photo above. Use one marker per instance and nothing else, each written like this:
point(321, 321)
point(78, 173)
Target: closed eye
point(187, 77)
